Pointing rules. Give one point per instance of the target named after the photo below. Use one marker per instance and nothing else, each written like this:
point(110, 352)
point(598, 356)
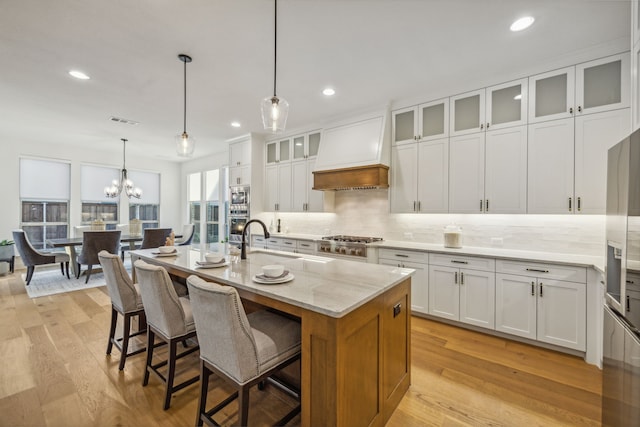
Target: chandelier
point(125, 183)
point(185, 144)
point(274, 109)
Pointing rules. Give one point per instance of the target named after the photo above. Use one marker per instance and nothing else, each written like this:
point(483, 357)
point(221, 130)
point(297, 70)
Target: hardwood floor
point(56, 373)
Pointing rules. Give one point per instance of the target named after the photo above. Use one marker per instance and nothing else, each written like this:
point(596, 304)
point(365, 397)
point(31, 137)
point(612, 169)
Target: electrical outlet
point(497, 241)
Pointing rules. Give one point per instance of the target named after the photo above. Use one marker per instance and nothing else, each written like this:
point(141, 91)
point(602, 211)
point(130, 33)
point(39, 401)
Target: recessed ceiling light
point(328, 92)
point(79, 75)
point(235, 124)
point(522, 23)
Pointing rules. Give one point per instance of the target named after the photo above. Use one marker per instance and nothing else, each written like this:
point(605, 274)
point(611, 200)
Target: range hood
point(353, 156)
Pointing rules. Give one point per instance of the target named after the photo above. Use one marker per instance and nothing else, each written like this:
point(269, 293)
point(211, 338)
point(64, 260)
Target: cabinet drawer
point(402, 255)
point(258, 240)
point(274, 241)
point(288, 244)
point(474, 263)
point(551, 271)
point(633, 281)
point(306, 245)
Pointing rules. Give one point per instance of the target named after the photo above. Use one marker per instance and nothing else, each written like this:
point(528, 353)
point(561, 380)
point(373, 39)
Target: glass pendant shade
point(185, 145)
point(274, 113)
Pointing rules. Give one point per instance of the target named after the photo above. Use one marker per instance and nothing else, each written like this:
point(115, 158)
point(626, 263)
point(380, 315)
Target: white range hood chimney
point(354, 155)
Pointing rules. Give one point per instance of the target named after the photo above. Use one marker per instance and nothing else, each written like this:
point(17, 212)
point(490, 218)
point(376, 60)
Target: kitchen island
point(355, 319)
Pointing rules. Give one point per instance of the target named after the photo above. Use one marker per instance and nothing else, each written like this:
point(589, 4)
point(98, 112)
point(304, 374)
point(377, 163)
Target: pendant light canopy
point(185, 144)
point(116, 187)
point(274, 109)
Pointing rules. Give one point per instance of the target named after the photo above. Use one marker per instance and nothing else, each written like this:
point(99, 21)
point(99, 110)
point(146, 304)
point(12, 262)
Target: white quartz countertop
point(325, 285)
point(511, 254)
point(297, 236)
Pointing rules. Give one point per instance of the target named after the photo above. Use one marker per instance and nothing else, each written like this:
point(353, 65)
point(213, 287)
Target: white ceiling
point(373, 52)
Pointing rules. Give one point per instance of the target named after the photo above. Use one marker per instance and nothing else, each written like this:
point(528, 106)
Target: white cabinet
point(467, 113)
point(306, 146)
point(550, 167)
point(278, 151)
point(240, 162)
point(278, 195)
point(507, 105)
point(594, 135)
point(304, 198)
point(488, 172)
point(419, 281)
point(590, 87)
point(462, 289)
point(635, 85)
point(424, 122)
point(419, 177)
point(305, 247)
point(536, 304)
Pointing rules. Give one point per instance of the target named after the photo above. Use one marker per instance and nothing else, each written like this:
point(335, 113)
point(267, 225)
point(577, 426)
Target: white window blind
point(194, 185)
point(44, 179)
point(149, 183)
point(93, 181)
point(213, 185)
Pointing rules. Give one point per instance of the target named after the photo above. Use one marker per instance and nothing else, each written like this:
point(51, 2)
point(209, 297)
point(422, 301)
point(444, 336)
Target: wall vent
point(125, 121)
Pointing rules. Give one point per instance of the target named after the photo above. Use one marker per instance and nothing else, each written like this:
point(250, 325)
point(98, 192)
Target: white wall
point(10, 209)
point(366, 213)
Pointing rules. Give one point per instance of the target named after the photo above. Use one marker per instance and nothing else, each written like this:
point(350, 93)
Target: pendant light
point(275, 109)
point(116, 187)
point(184, 143)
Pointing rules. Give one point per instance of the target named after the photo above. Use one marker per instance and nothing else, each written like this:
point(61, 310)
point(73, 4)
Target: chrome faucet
point(243, 248)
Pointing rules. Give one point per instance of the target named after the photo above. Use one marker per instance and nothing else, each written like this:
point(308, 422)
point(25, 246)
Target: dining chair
point(92, 243)
point(154, 237)
point(188, 230)
point(126, 300)
point(31, 257)
point(242, 349)
point(169, 317)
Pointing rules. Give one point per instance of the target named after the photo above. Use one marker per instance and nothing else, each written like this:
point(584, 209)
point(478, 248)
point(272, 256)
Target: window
point(45, 208)
point(212, 198)
point(95, 205)
point(147, 207)
point(194, 184)
point(205, 211)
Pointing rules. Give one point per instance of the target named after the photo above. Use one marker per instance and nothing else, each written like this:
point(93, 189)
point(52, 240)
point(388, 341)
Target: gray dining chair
point(188, 231)
point(169, 318)
point(154, 237)
point(126, 300)
point(31, 257)
point(242, 349)
point(92, 243)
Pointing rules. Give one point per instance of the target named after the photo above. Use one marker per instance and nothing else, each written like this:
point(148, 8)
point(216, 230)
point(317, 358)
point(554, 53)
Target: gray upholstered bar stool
point(126, 300)
point(170, 318)
point(242, 349)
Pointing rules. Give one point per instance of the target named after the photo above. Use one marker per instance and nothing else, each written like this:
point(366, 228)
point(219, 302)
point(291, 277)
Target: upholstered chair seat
point(242, 349)
point(170, 318)
point(126, 300)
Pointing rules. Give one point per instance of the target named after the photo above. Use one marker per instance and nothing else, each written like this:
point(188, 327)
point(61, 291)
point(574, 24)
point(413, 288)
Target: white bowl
point(272, 270)
point(166, 249)
point(214, 257)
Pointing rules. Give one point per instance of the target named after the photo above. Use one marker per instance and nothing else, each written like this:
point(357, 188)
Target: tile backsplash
point(366, 213)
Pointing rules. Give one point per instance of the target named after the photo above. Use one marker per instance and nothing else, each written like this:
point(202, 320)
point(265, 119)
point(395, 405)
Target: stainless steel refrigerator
point(621, 345)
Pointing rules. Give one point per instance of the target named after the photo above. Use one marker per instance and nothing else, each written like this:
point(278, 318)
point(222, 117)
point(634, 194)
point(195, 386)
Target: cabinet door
point(505, 187)
point(595, 134)
point(444, 292)
point(313, 143)
point(466, 174)
point(240, 175)
point(284, 150)
point(299, 186)
point(467, 113)
point(285, 196)
point(507, 105)
point(433, 120)
point(477, 298)
point(404, 178)
point(271, 156)
point(562, 313)
point(419, 284)
point(433, 176)
point(405, 123)
point(271, 188)
point(240, 153)
point(635, 86)
point(299, 147)
point(551, 95)
point(516, 305)
point(550, 167)
point(315, 198)
point(603, 84)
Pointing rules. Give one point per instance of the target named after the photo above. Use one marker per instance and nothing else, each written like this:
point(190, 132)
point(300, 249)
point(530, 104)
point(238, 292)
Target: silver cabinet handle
point(486, 205)
point(533, 292)
point(571, 110)
point(402, 255)
point(537, 270)
point(628, 304)
point(480, 205)
point(481, 125)
point(579, 204)
point(461, 278)
point(488, 125)
point(414, 205)
point(455, 278)
point(455, 261)
point(569, 204)
point(419, 206)
point(579, 109)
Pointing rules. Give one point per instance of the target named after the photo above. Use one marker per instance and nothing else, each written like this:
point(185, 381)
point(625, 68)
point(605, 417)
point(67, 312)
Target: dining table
point(355, 324)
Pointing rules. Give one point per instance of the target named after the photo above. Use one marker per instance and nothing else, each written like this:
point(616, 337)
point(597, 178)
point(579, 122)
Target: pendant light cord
point(124, 153)
point(185, 97)
point(275, 44)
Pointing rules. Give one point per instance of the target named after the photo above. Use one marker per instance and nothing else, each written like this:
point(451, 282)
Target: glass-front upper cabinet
point(306, 146)
point(279, 151)
point(603, 84)
point(507, 105)
point(551, 95)
point(424, 122)
point(467, 113)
